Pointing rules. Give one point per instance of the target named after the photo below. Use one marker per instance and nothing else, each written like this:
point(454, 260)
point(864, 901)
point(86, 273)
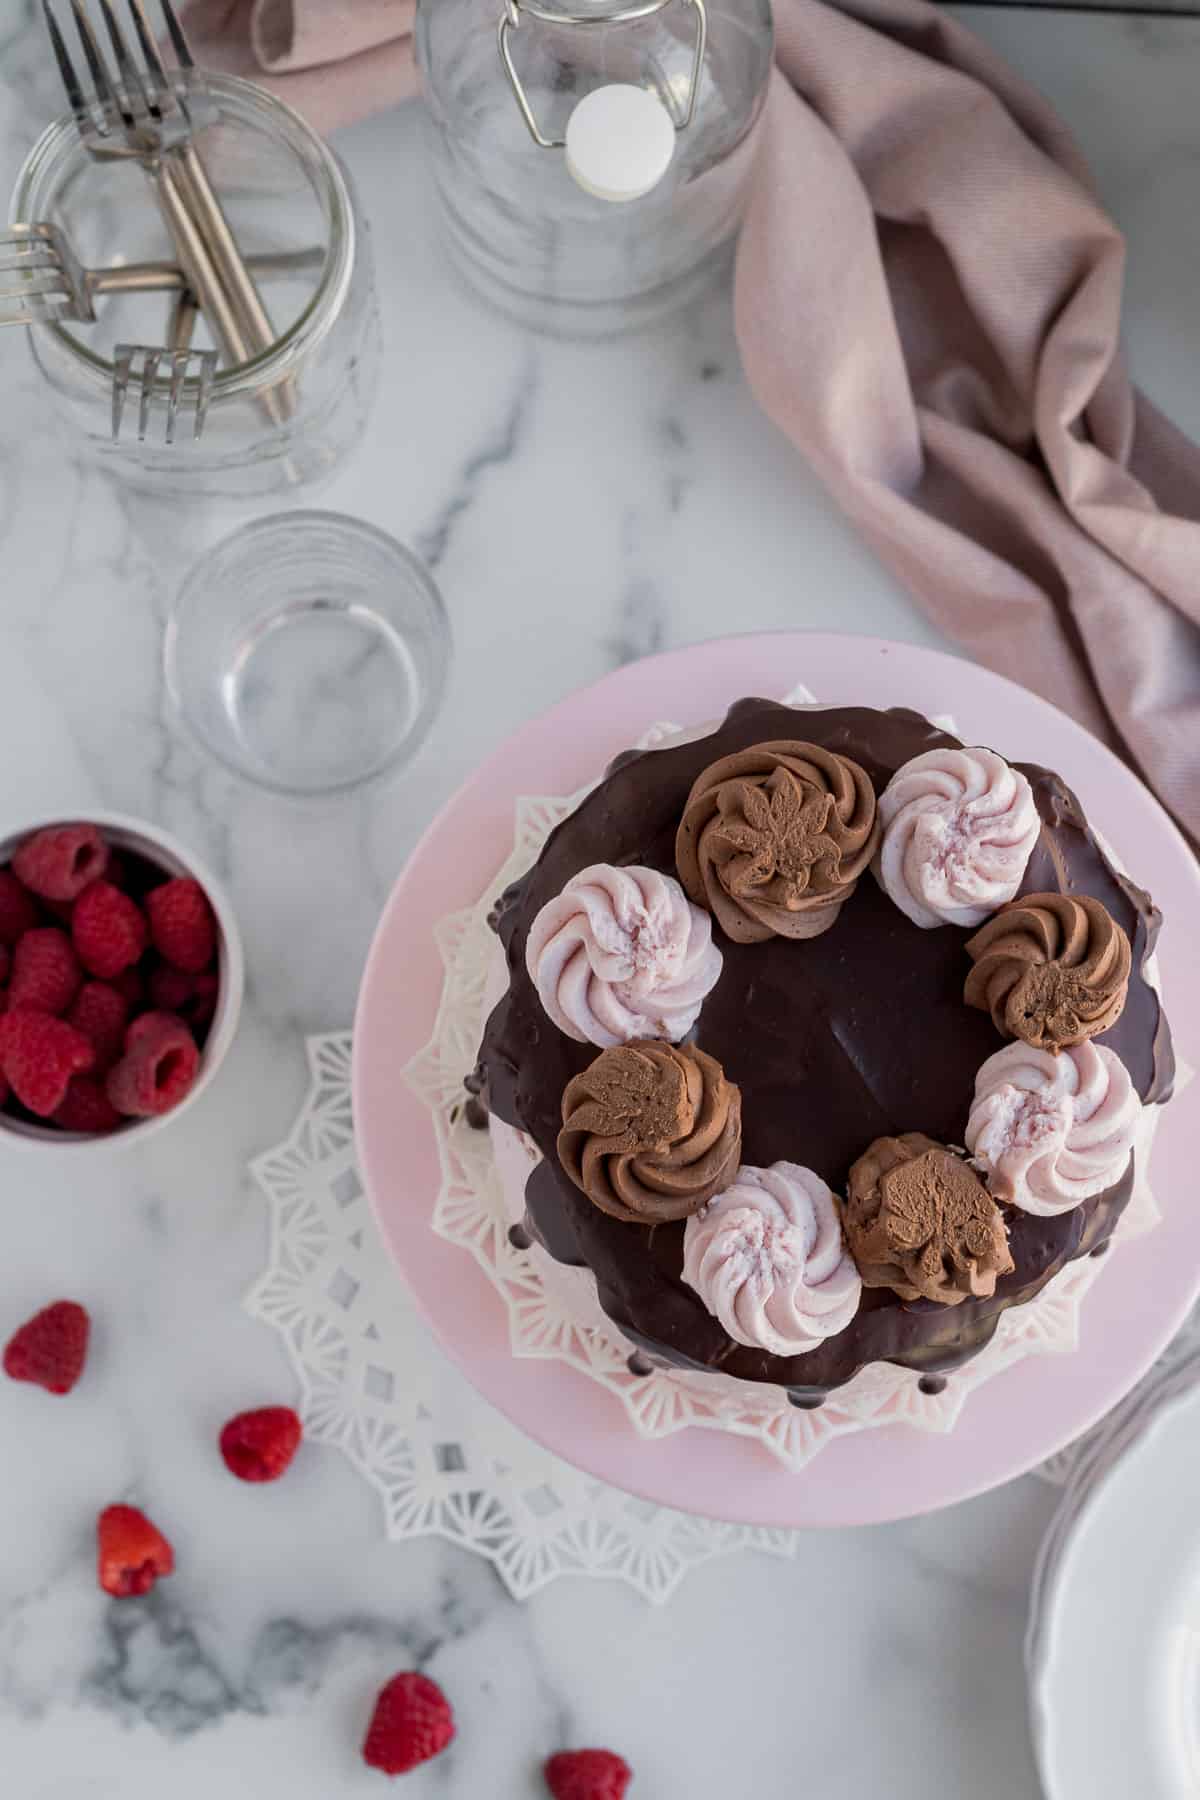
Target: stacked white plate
point(1113, 1651)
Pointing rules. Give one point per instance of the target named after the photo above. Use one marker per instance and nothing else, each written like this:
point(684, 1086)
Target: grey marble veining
point(598, 503)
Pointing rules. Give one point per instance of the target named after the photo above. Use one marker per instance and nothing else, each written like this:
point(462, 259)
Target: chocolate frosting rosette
point(774, 839)
point(919, 1221)
point(651, 1131)
point(1052, 969)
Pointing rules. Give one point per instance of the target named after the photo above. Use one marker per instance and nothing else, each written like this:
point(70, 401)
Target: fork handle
point(236, 279)
point(204, 278)
point(197, 261)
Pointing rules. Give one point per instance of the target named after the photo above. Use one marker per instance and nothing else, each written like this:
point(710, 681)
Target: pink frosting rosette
point(622, 954)
point(1049, 1131)
point(768, 1259)
point(959, 827)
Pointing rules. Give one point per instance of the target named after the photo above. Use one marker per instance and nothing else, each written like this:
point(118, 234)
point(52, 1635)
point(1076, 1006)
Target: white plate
point(1116, 1699)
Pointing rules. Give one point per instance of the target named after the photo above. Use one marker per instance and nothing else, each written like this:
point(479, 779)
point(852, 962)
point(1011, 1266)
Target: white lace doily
point(470, 1211)
point(373, 1382)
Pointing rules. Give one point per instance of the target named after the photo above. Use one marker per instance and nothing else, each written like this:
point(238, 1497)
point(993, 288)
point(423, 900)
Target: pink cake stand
point(1014, 1420)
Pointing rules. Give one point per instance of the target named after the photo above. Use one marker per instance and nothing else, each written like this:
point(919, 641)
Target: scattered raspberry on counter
point(182, 926)
point(38, 1056)
point(46, 974)
point(101, 1012)
point(260, 1445)
point(109, 929)
point(412, 1722)
point(157, 1069)
point(51, 1348)
point(132, 1554)
point(587, 1775)
point(58, 863)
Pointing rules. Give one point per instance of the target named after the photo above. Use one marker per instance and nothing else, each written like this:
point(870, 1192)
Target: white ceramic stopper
point(620, 142)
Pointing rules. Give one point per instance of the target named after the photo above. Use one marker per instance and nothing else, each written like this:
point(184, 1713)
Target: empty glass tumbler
point(592, 156)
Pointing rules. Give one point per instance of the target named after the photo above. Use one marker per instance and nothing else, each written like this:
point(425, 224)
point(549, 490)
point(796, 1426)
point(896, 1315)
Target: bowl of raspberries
point(120, 980)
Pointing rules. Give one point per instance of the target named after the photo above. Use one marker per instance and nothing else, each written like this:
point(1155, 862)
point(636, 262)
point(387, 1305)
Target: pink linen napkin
point(928, 304)
point(333, 60)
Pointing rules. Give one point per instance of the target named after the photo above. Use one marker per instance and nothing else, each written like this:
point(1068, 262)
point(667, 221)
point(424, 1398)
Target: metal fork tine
point(18, 255)
point(176, 34)
point(141, 364)
point(105, 92)
point(208, 372)
point(155, 70)
point(149, 376)
point(66, 69)
point(39, 282)
point(128, 70)
point(122, 368)
point(47, 312)
point(179, 366)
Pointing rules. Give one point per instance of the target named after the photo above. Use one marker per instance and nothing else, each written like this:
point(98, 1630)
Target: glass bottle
point(592, 156)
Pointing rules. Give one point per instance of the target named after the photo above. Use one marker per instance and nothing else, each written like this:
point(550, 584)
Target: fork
point(143, 115)
point(42, 279)
point(183, 362)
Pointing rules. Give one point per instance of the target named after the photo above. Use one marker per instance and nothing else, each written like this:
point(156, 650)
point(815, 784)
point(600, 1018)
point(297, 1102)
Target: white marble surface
point(601, 503)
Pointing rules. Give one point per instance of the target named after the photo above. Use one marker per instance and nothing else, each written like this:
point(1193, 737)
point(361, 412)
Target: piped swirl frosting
point(769, 1260)
point(622, 954)
point(919, 1221)
point(1050, 1130)
point(651, 1131)
point(959, 827)
point(773, 839)
point(1052, 969)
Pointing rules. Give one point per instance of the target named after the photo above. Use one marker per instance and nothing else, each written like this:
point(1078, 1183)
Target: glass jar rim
point(587, 12)
point(61, 138)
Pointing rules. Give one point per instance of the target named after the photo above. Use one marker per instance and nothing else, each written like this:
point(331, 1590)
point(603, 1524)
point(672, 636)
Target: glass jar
point(296, 221)
point(592, 156)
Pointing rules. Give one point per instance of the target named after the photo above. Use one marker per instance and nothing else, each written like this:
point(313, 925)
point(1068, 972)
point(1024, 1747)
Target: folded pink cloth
point(928, 304)
point(333, 60)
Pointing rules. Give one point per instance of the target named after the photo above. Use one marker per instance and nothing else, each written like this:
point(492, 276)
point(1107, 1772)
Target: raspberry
point(132, 1553)
point(60, 862)
point(132, 988)
point(587, 1775)
point(87, 1108)
point(5, 963)
point(18, 910)
point(412, 1722)
point(157, 1069)
point(38, 1056)
point(193, 997)
point(110, 931)
point(182, 924)
point(51, 1348)
point(259, 1446)
point(101, 1012)
point(46, 975)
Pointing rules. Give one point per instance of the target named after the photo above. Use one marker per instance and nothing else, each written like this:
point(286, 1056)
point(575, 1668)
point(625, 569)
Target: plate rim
point(610, 1449)
point(1042, 1716)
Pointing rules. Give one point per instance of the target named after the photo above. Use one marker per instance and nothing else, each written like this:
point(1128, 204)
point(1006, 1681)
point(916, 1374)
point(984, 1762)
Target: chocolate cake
point(834, 1050)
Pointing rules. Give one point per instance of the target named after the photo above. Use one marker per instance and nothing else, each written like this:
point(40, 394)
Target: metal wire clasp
point(514, 12)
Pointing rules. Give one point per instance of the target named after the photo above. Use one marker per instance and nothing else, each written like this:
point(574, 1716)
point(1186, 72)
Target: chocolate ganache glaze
point(859, 1034)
